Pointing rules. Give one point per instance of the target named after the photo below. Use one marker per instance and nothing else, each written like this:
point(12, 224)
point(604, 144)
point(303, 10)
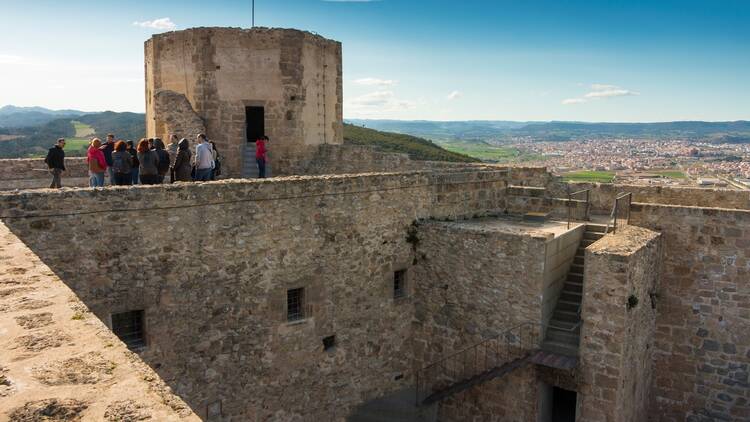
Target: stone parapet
point(617, 337)
point(32, 173)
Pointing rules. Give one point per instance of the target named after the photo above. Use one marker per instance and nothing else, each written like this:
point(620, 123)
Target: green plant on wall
point(632, 302)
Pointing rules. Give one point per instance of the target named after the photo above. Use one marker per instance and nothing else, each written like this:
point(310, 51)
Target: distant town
point(668, 162)
point(708, 154)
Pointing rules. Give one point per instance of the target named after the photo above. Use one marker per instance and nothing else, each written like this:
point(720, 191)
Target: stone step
point(598, 228)
point(562, 336)
point(560, 348)
point(567, 316)
point(554, 322)
point(576, 268)
point(569, 296)
point(592, 236)
point(567, 306)
point(573, 287)
point(578, 260)
point(586, 243)
point(575, 277)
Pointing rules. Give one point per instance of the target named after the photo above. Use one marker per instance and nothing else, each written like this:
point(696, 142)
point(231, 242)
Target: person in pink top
point(260, 156)
point(97, 163)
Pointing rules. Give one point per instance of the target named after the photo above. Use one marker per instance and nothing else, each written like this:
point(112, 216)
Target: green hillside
point(416, 148)
point(33, 141)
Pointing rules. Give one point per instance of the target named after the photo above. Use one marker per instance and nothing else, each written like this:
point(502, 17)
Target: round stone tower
point(239, 84)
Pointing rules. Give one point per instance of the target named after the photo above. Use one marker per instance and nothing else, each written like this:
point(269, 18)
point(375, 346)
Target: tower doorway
point(254, 123)
point(563, 405)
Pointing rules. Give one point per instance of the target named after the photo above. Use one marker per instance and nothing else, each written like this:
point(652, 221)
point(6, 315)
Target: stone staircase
point(249, 166)
point(564, 328)
point(396, 407)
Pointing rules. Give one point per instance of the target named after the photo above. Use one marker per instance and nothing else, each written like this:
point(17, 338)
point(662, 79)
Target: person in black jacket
point(56, 163)
point(108, 149)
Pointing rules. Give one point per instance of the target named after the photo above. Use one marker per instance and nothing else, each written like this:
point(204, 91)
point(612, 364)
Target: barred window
point(399, 284)
point(295, 304)
point(128, 326)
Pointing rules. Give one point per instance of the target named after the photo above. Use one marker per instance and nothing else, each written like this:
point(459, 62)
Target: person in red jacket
point(260, 156)
point(97, 164)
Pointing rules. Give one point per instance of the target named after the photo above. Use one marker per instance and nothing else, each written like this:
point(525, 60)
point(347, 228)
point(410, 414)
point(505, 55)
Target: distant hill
point(124, 125)
point(16, 117)
point(416, 148)
point(436, 130)
point(34, 140)
point(718, 132)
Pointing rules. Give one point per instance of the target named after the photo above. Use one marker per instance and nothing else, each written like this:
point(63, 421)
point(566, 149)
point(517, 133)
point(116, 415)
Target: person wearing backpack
point(97, 163)
point(55, 161)
point(149, 163)
point(122, 164)
point(163, 156)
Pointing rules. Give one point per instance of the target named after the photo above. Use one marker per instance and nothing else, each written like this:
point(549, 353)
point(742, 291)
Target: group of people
point(147, 162)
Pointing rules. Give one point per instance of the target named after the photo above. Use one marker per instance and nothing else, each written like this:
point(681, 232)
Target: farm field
point(589, 176)
point(672, 174)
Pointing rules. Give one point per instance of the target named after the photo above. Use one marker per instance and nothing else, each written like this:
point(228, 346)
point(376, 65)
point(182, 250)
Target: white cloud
point(455, 95)
point(377, 103)
point(601, 91)
point(161, 23)
point(607, 93)
point(375, 81)
point(574, 101)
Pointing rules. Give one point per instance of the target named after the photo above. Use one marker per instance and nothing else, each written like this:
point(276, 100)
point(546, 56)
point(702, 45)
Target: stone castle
point(358, 285)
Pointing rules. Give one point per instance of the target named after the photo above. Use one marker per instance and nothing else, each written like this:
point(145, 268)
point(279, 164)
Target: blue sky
point(418, 59)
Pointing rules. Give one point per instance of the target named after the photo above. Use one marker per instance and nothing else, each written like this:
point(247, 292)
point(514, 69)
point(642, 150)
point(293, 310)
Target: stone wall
point(702, 347)
point(59, 362)
point(296, 76)
point(32, 173)
point(177, 116)
point(210, 264)
point(617, 337)
point(474, 280)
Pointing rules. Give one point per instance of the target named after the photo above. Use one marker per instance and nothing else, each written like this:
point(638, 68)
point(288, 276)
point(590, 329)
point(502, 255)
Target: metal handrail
point(615, 211)
point(483, 356)
point(570, 203)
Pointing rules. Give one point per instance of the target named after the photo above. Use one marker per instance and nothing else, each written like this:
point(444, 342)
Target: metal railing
point(570, 203)
point(514, 343)
point(625, 199)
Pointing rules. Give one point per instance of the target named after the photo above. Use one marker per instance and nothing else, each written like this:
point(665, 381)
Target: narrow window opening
point(128, 327)
point(295, 309)
point(329, 342)
point(399, 284)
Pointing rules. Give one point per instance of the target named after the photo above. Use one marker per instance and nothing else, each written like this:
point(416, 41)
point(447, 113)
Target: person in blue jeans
point(204, 159)
point(260, 156)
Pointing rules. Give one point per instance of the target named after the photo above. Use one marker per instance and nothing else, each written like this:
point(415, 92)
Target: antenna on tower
point(253, 25)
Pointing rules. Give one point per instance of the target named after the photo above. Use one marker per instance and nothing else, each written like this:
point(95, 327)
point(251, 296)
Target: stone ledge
point(56, 355)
